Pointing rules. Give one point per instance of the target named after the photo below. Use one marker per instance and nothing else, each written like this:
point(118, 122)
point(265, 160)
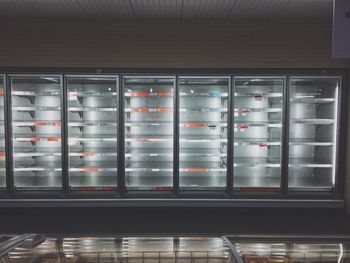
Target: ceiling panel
point(16, 8)
point(56, 10)
point(207, 11)
point(156, 11)
point(108, 10)
point(169, 11)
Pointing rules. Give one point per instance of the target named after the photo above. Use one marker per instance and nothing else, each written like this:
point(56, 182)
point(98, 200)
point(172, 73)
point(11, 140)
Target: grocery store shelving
point(258, 133)
point(36, 116)
point(258, 103)
point(148, 132)
point(313, 127)
point(92, 128)
point(203, 132)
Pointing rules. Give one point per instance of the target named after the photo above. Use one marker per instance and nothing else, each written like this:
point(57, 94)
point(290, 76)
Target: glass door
point(36, 124)
point(257, 133)
point(203, 132)
point(2, 135)
point(148, 132)
point(92, 129)
point(313, 133)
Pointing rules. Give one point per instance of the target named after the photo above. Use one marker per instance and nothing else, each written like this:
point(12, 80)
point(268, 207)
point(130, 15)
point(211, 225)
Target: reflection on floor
point(173, 249)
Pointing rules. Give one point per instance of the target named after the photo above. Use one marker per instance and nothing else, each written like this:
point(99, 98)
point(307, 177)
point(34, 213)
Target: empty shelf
point(92, 169)
point(148, 110)
point(37, 139)
point(37, 169)
point(91, 124)
point(307, 99)
point(91, 94)
point(81, 109)
point(255, 110)
point(313, 121)
point(36, 123)
point(37, 108)
point(148, 94)
point(204, 94)
point(257, 162)
point(34, 93)
point(308, 163)
point(309, 142)
point(259, 95)
point(190, 109)
point(247, 124)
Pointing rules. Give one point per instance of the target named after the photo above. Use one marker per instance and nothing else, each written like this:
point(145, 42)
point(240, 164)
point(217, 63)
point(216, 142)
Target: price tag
point(243, 128)
point(245, 112)
point(263, 146)
point(73, 96)
point(258, 97)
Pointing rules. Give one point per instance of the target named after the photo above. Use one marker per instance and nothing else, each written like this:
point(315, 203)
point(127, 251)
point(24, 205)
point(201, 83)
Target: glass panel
point(2, 136)
point(92, 128)
point(257, 133)
point(312, 135)
point(289, 251)
point(165, 249)
point(36, 121)
point(149, 132)
point(203, 132)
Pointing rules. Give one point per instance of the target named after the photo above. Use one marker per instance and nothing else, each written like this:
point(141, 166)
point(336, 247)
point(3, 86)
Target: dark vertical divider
point(121, 137)
point(64, 135)
point(230, 136)
point(176, 138)
point(285, 137)
point(342, 118)
point(8, 136)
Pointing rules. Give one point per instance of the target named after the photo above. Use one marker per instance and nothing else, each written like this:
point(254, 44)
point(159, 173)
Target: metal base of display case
point(166, 203)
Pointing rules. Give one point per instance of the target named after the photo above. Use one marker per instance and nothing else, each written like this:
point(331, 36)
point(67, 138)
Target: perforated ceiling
point(169, 11)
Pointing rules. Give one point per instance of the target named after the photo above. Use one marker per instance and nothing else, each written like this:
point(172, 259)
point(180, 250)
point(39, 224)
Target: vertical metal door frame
point(340, 136)
point(10, 186)
point(121, 137)
point(336, 167)
point(176, 136)
point(285, 137)
point(230, 135)
point(64, 136)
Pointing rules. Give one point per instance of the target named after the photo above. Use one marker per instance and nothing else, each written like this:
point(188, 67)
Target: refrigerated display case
point(203, 116)
point(2, 135)
point(215, 135)
point(133, 249)
point(36, 128)
point(175, 249)
point(148, 132)
point(313, 133)
point(92, 132)
point(258, 107)
point(276, 251)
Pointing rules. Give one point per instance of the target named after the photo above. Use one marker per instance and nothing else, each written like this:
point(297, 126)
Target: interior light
point(50, 79)
point(341, 252)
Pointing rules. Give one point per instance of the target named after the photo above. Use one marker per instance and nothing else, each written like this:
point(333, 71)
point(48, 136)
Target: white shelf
point(204, 94)
point(34, 93)
point(306, 99)
point(37, 108)
point(312, 121)
point(307, 163)
point(73, 94)
point(83, 109)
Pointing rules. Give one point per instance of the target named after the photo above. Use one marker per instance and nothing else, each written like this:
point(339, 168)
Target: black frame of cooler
point(176, 193)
